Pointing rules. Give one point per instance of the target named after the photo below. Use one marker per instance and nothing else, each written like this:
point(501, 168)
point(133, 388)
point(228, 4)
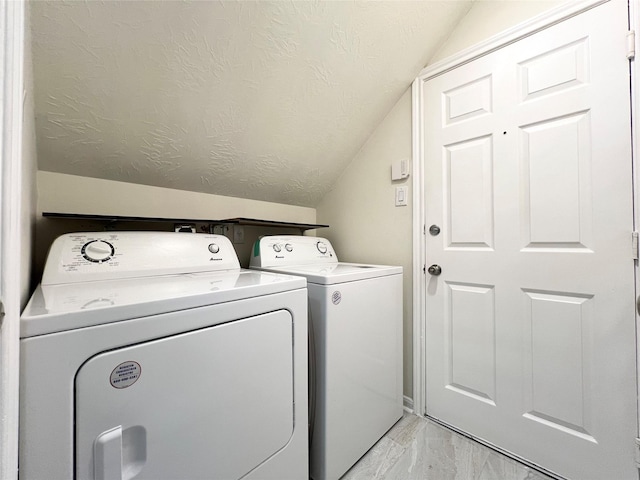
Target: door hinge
point(1, 312)
point(631, 44)
point(424, 269)
point(634, 245)
point(638, 453)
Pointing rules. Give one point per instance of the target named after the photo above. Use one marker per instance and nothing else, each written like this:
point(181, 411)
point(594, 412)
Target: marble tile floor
point(419, 449)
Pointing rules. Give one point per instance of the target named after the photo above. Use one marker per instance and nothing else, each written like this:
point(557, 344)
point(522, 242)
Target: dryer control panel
point(271, 251)
point(81, 257)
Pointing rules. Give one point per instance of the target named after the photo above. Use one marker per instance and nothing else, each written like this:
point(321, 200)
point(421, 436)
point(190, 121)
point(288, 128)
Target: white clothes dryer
point(152, 355)
point(356, 347)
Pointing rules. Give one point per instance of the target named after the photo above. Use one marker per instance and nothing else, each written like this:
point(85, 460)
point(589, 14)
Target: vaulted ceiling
point(267, 100)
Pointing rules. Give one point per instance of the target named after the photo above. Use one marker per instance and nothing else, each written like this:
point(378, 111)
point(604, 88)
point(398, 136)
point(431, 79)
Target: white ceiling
point(267, 100)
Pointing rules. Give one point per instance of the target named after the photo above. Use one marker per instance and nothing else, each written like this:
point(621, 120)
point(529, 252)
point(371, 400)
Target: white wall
point(365, 225)
point(63, 193)
point(29, 165)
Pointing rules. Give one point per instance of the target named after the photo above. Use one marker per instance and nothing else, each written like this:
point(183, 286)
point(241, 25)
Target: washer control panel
point(80, 257)
point(276, 250)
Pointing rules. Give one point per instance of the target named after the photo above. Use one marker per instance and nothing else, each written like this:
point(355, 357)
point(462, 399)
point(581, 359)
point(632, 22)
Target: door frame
point(12, 34)
point(536, 24)
point(634, 26)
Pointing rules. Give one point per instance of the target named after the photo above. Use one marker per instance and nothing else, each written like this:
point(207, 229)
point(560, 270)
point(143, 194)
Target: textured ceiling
point(268, 100)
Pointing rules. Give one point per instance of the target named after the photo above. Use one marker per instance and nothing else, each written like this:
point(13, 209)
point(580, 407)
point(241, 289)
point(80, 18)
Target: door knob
point(434, 270)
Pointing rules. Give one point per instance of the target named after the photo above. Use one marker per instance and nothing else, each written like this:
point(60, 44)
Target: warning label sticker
point(125, 374)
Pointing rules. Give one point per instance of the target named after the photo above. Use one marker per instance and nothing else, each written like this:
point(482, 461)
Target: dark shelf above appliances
point(111, 219)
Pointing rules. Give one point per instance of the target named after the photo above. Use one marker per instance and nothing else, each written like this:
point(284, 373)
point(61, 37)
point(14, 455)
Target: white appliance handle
point(107, 455)
point(119, 454)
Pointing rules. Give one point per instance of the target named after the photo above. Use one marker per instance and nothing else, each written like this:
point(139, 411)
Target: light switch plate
point(401, 196)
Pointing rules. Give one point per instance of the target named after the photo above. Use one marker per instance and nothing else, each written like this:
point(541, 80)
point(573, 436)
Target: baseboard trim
point(408, 404)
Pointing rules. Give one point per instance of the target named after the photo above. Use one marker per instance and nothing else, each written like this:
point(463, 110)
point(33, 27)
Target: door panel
point(557, 207)
point(469, 205)
point(211, 403)
point(471, 341)
point(468, 101)
point(557, 364)
point(530, 333)
point(558, 69)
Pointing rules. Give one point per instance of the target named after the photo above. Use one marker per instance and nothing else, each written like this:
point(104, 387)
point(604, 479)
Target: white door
point(212, 403)
point(530, 333)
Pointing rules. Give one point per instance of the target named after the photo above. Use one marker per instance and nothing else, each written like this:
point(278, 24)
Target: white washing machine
point(356, 347)
point(154, 356)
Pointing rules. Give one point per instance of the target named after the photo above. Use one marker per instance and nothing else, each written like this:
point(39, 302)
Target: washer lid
point(57, 308)
point(329, 274)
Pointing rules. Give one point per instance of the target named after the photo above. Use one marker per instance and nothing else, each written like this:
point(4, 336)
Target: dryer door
point(211, 403)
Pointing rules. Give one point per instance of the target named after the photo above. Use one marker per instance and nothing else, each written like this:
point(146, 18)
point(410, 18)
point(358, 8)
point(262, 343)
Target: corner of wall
point(29, 165)
point(486, 18)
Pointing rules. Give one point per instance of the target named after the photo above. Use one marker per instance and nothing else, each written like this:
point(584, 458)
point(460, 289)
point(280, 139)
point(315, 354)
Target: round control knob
point(97, 251)
point(288, 247)
point(322, 247)
point(213, 248)
point(277, 248)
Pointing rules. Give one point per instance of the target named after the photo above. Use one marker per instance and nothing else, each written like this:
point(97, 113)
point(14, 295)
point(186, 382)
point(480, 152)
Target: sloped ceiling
point(267, 100)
